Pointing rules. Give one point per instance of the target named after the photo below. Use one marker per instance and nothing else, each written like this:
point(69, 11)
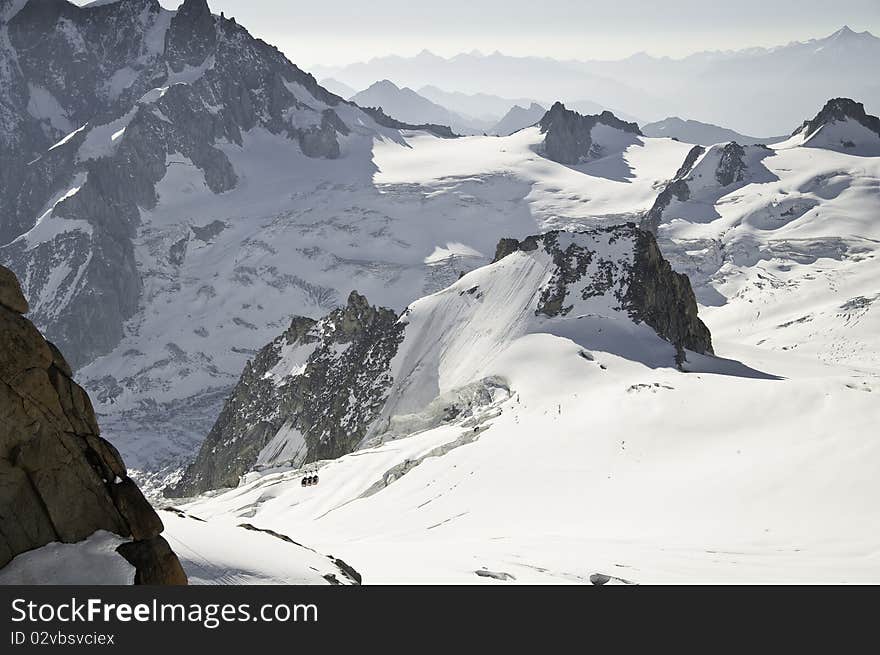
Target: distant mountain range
point(465, 114)
point(704, 134)
point(406, 105)
point(719, 87)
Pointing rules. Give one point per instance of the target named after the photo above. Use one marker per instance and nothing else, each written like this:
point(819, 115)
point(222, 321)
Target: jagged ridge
point(321, 389)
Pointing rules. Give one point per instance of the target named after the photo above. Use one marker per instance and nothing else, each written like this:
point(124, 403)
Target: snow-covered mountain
point(518, 118)
point(780, 240)
point(843, 126)
point(706, 134)
point(580, 459)
point(408, 106)
point(153, 163)
point(324, 388)
point(723, 88)
point(760, 470)
point(114, 95)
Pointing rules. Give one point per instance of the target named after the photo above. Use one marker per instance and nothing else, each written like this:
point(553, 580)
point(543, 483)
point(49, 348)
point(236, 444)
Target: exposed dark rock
point(191, 36)
point(495, 575)
point(347, 570)
point(504, 248)
point(650, 291)
point(568, 134)
point(839, 109)
point(59, 480)
point(155, 562)
point(731, 167)
point(331, 402)
point(11, 296)
point(677, 188)
point(207, 232)
point(383, 119)
point(665, 300)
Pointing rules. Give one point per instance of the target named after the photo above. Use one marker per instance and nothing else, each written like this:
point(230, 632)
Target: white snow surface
point(93, 561)
point(217, 552)
point(756, 466)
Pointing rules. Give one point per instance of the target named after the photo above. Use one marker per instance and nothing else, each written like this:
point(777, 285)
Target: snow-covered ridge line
point(324, 388)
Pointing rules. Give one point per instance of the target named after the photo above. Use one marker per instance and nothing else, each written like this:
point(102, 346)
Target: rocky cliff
point(646, 287)
point(310, 394)
point(60, 481)
point(570, 137)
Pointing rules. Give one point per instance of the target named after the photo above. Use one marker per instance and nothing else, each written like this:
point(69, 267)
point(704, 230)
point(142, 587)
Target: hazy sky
point(343, 31)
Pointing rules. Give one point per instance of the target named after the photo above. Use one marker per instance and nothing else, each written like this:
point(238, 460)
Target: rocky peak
point(841, 109)
point(646, 287)
point(192, 35)
point(61, 481)
point(310, 394)
point(731, 166)
point(706, 175)
point(569, 135)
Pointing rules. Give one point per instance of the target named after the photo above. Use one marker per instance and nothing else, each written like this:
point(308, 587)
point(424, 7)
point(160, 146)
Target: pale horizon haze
point(345, 31)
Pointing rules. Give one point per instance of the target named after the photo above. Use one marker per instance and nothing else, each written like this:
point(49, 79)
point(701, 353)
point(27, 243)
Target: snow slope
point(221, 553)
point(754, 467)
point(609, 466)
point(788, 260)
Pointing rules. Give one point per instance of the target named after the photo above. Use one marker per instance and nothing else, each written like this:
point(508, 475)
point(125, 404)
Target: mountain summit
point(572, 138)
point(844, 125)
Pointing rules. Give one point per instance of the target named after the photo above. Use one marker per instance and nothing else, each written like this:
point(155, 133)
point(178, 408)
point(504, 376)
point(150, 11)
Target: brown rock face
point(11, 296)
point(59, 480)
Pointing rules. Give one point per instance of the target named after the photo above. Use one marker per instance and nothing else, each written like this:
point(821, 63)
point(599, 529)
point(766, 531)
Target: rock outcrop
point(378, 115)
point(648, 289)
point(677, 188)
point(59, 479)
point(837, 110)
point(731, 167)
point(569, 135)
point(707, 175)
point(308, 395)
point(844, 126)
